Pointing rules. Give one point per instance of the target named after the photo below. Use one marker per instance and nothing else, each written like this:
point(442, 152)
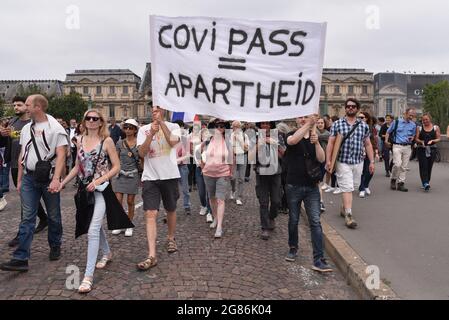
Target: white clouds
point(115, 33)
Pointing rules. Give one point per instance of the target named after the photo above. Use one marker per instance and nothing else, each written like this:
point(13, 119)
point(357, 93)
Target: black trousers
point(40, 211)
point(268, 191)
point(425, 164)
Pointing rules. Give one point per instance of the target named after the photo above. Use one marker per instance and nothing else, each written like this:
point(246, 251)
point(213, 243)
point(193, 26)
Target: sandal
point(171, 246)
point(103, 262)
point(147, 264)
point(86, 286)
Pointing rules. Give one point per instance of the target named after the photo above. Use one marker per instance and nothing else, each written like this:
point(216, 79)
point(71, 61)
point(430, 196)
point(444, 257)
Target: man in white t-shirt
point(51, 144)
point(157, 145)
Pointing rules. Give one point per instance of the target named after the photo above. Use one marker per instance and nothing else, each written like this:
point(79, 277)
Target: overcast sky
point(36, 44)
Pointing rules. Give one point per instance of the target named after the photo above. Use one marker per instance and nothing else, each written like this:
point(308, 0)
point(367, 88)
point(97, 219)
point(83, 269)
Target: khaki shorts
point(217, 187)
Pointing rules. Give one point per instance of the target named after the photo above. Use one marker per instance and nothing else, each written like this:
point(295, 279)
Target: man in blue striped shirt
point(349, 164)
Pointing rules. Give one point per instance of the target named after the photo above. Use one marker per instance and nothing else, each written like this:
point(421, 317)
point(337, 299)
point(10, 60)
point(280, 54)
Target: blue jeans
point(30, 195)
point(311, 197)
point(184, 183)
point(2, 172)
point(366, 175)
point(202, 193)
point(5, 178)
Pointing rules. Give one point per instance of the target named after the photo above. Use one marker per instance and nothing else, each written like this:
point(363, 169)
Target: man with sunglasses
point(349, 164)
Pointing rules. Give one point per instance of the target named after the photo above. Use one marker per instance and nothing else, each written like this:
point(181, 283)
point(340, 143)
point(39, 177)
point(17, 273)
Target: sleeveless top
point(87, 161)
point(426, 136)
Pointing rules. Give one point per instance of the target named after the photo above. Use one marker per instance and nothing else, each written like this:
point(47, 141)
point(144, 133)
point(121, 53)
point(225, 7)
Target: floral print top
point(87, 161)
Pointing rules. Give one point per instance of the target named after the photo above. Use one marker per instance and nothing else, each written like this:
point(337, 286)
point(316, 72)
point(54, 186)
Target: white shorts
point(349, 176)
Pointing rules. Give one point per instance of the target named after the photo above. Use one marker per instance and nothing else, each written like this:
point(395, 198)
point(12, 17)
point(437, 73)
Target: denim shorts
point(217, 187)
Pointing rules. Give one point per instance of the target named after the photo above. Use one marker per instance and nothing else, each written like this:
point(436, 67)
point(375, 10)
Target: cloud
point(115, 34)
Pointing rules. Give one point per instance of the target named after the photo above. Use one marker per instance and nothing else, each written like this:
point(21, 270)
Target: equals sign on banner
point(232, 63)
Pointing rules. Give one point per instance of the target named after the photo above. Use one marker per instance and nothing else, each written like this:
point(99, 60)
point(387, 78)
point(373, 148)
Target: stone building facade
point(339, 84)
point(115, 92)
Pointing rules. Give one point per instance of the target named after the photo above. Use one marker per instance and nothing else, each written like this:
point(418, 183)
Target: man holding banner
point(156, 143)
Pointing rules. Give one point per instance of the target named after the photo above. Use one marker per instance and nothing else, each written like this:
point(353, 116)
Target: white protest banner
point(237, 69)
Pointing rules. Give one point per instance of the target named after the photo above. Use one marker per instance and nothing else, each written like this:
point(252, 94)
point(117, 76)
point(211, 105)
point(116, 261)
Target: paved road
point(239, 266)
point(405, 234)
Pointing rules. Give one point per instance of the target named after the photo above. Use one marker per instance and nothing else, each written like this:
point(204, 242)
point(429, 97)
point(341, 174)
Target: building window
point(85, 90)
point(337, 90)
point(111, 111)
point(72, 90)
point(111, 90)
point(389, 106)
point(364, 89)
point(323, 108)
point(125, 111)
point(98, 90)
point(125, 90)
point(350, 89)
point(323, 89)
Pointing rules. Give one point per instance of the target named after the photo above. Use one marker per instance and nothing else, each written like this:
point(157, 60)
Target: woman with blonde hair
point(96, 163)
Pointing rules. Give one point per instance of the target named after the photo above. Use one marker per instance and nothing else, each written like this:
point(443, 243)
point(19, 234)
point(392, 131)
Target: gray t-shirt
point(43, 144)
point(16, 126)
point(127, 163)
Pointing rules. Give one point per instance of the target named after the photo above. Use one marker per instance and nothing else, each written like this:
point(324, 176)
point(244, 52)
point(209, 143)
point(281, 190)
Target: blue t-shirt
point(405, 130)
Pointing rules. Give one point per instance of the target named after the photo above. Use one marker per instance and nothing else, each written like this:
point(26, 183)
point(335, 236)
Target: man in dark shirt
point(386, 149)
point(115, 131)
point(301, 187)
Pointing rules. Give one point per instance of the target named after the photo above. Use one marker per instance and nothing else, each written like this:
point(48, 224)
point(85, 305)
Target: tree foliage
point(436, 102)
point(67, 107)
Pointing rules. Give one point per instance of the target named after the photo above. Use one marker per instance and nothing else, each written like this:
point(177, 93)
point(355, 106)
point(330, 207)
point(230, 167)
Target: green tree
point(29, 90)
point(436, 102)
point(67, 107)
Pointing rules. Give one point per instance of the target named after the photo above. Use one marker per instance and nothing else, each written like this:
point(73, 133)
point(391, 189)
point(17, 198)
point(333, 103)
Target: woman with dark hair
point(217, 167)
point(128, 180)
point(427, 137)
point(366, 175)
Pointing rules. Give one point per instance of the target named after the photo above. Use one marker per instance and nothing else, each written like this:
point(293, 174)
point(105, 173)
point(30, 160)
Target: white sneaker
point(203, 211)
point(325, 186)
point(213, 224)
point(218, 233)
point(3, 203)
point(129, 232)
point(337, 191)
point(368, 191)
point(116, 232)
point(209, 218)
point(330, 189)
point(232, 196)
point(239, 202)
point(362, 194)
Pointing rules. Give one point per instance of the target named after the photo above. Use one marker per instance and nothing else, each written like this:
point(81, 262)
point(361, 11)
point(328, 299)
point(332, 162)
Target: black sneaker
point(55, 253)
point(393, 184)
point(387, 174)
point(401, 187)
point(187, 211)
point(292, 254)
point(15, 265)
point(41, 226)
point(14, 242)
point(271, 224)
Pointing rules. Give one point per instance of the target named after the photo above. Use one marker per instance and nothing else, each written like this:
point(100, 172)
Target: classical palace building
point(339, 84)
point(11, 88)
point(115, 92)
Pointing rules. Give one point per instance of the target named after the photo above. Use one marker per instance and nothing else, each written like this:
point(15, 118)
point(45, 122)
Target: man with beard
point(10, 136)
point(349, 163)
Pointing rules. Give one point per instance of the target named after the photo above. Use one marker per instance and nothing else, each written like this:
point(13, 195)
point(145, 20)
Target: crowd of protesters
point(293, 166)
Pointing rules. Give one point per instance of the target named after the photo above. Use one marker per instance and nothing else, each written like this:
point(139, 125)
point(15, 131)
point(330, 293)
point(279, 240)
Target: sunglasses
point(130, 127)
point(221, 125)
point(353, 106)
point(89, 118)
